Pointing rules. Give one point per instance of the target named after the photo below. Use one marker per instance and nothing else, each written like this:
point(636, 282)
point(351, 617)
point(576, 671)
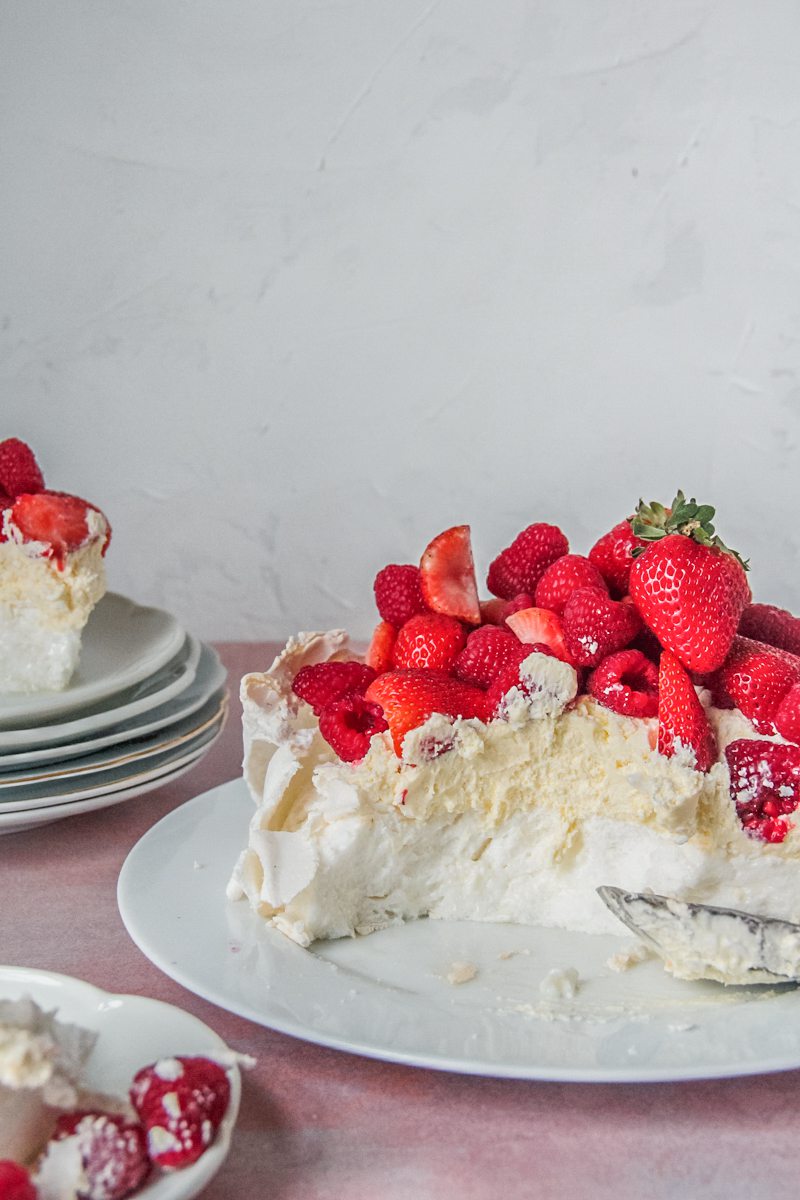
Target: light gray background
point(288, 287)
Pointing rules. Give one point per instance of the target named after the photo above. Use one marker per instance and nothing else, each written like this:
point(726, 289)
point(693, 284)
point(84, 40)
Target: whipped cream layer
point(517, 821)
point(44, 606)
point(41, 1066)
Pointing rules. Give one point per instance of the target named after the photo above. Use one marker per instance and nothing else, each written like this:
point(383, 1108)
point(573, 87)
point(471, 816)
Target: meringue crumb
point(561, 983)
point(687, 1028)
point(512, 953)
point(629, 957)
point(461, 972)
point(197, 866)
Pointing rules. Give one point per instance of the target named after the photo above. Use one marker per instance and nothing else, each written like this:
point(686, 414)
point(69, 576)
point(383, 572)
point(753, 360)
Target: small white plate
point(171, 681)
point(132, 1032)
point(209, 679)
point(122, 644)
point(387, 995)
point(17, 821)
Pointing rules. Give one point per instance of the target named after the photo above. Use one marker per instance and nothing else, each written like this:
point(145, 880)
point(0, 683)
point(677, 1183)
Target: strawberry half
point(541, 627)
point(447, 576)
point(15, 1182)
point(430, 641)
point(381, 648)
point(54, 518)
point(689, 588)
point(682, 721)
point(408, 698)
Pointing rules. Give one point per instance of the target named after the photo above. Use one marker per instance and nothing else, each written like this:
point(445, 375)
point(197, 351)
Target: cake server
point(702, 941)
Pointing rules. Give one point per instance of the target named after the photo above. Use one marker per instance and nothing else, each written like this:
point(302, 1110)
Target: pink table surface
point(316, 1124)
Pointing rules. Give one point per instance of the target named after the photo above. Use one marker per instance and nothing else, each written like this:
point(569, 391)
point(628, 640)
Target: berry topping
point(612, 555)
point(775, 626)
point(487, 653)
point(756, 678)
point(380, 653)
point(682, 722)
point(408, 698)
point(539, 626)
point(562, 577)
point(322, 683)
point(398, 593)
point(509, 677)
point(627, 683)
point(348, 725)
point(181, 1103)
point(688, 586)
point(787, 715)
point(112, 1150)
point(57, 520)
point(15, 1182)
point(429, 641)
point(19, 470)
point(521, 565)
point(447, 576)
point(596, 626)
point(494, 612)
point(765, 786)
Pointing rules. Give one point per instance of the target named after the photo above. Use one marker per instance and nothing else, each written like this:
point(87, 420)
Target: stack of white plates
point(147, 702)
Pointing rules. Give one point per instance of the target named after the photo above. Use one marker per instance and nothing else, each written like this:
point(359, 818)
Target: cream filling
point(519, 820)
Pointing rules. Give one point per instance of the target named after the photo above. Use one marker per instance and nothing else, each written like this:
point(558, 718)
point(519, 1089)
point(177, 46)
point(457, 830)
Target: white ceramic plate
point(30, 818)
point(122, 643)
point(130, 755)
point(34, 796)
point(171, 681)
point(387, 995)
point(209, 679)
point(133, 1031)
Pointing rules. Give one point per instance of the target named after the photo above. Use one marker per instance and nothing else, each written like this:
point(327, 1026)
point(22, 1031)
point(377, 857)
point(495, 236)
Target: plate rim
point(365, 1049)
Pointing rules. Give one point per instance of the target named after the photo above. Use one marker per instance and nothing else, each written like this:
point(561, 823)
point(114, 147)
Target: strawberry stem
point(653, 521)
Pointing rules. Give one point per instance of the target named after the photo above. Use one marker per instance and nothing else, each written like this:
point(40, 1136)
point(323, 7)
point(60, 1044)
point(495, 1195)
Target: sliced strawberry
point(15, 1182)
point(540, 626)
point(57, 520)
point(787, 715)
point(562, 577)
point(765, 786)
point(682, 721)
point(408, 698)
point(596, 626)
point(521, 565)
point(430, 641)
point(19, 470)
point(113, 1153)
point(398, 593)
point(319, 684)
point(349, 724)
point(612, 554)
point(756, 678)
point(380, 653)
point(181, 1103)
point(773, 625)
point(627, 683)
point(487, 652)
point(447, 576)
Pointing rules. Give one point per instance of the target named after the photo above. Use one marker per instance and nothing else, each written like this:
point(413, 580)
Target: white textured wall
point(291, 285)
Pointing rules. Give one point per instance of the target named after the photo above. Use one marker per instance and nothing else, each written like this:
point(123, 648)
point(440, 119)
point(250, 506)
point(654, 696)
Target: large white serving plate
point(132, 1032)
point(209, 678)
point(387, 995)
point(122, 643)
point(158, 689)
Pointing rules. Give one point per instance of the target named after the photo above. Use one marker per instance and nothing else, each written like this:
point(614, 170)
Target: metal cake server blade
point(702, 941)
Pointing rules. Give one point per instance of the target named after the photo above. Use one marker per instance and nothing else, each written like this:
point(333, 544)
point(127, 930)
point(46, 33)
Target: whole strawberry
point(429, 640)
point(773, 625)
point(688, 586)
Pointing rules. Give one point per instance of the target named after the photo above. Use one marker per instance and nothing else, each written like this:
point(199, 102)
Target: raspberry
point(398, 593)
point(322, 683)
point(429, 641)
point(19, 470)
point(562, 577)
point(494, 612)
point(381, 649)
point(521, 565)
point(765, 786)
point(611, 554)
point(487, 653)
point(627, 683)
point(348, 725)
point(15, 1182)
point(596, 626)
point(775, 626)
point(113, 1153)
point(181, 1103)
